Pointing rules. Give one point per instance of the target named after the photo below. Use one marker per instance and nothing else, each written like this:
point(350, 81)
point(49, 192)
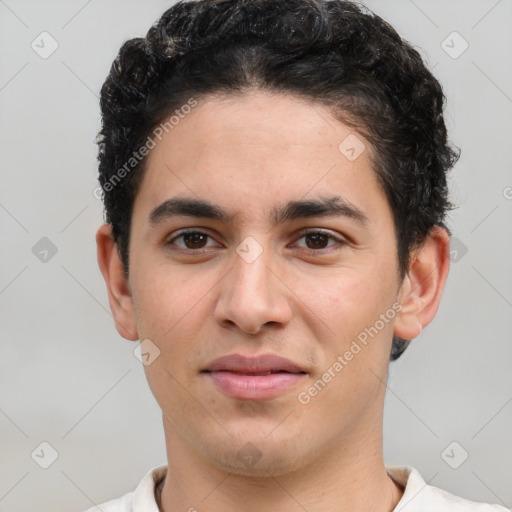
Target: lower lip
point(254, 387)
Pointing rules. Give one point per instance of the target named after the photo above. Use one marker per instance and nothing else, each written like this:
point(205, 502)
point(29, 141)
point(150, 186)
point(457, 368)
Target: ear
point(422, 288)
point(119, 295)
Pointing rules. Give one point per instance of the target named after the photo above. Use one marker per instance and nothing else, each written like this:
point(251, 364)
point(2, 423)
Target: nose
point(253, 295)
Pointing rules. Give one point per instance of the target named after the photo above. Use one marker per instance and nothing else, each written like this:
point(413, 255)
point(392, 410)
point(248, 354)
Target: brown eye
point(192, 240)
point(317, 240)
point(195, 240)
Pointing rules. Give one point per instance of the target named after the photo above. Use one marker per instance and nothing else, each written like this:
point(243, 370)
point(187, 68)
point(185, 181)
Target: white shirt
point(417, 497)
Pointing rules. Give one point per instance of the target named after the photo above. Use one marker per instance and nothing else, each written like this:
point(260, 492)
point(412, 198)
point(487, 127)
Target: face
point(258, 246)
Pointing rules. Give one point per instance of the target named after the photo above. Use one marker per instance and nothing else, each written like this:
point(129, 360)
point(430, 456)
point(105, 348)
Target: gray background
point(68, 378)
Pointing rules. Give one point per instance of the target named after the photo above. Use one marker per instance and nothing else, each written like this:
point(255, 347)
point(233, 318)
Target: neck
point(347, 477)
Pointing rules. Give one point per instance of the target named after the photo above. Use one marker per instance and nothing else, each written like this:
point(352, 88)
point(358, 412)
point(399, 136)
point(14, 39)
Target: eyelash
point(304, 233)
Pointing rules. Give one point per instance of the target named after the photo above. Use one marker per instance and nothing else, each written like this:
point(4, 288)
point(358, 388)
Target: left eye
point(318, 240)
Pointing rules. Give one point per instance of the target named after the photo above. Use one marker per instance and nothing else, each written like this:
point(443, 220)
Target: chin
point(257, 455)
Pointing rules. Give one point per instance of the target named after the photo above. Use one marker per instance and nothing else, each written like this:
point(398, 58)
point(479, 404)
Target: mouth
point(254, 374)
point(253, 378)
point(263, 364)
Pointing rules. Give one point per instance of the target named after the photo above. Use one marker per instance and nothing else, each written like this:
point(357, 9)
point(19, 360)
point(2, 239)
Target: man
point(274, 178)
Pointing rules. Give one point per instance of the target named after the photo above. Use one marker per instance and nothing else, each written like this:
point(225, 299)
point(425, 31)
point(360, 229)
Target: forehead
point(252, 151)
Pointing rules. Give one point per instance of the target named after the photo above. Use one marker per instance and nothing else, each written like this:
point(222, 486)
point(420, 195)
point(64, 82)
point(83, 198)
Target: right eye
point(191, 241)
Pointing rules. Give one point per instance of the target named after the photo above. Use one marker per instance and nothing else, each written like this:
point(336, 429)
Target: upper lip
point(250, 364)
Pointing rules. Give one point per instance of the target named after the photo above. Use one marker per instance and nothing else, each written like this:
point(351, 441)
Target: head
point(258, 119)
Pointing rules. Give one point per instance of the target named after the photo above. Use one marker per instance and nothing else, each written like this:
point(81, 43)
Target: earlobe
point(423, 286)
point(119, 295)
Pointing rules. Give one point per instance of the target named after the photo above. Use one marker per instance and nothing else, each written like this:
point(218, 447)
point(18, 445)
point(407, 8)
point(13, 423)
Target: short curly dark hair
point(333, 52)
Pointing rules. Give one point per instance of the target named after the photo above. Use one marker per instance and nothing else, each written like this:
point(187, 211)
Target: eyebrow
point(321, 207)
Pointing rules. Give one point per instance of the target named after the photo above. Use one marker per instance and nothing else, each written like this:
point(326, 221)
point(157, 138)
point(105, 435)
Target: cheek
point(346, 306)
point(344, 296)
point(168, 310)
point(162, 299)
point(171, 311)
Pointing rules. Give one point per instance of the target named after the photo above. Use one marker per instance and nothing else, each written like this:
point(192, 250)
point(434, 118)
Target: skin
point(250, 154)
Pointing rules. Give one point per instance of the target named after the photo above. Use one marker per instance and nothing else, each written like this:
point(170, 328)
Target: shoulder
point(142, 499)
point(123, 504)
point(420, 497)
